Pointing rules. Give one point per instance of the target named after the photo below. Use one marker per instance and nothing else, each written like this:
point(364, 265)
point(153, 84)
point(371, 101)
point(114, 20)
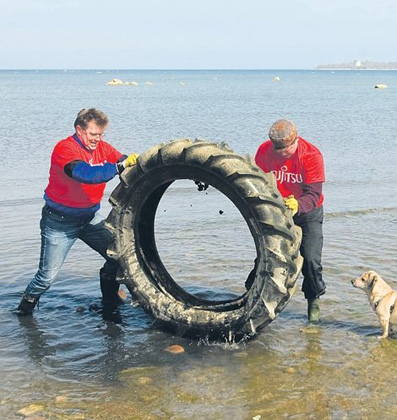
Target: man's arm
point(85, 173)
point(309, 199)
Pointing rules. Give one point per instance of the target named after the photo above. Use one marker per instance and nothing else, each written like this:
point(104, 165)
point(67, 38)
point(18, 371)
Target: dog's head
point(367, 280)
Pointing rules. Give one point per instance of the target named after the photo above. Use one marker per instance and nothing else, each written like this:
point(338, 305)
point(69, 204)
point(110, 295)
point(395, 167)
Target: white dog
point(382, 299)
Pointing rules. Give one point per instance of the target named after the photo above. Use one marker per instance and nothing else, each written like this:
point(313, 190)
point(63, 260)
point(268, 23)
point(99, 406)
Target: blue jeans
point(58, 234)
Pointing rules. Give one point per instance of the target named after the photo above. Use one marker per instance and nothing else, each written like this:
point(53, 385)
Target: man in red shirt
point(298, 167)
point(81, 165)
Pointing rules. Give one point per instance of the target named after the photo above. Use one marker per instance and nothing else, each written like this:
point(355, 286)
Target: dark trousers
point(311, 249)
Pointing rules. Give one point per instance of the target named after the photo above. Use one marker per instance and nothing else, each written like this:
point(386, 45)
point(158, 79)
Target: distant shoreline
point(345, 69)
point(359, 65)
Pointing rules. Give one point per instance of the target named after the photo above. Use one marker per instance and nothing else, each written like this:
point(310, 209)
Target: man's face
point(92, 135)
point(288, 151)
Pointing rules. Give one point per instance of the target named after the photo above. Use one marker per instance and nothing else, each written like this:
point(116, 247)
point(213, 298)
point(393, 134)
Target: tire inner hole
point(203, 241)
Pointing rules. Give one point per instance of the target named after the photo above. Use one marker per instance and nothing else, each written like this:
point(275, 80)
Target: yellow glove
point(292, 203)
point(130, 161)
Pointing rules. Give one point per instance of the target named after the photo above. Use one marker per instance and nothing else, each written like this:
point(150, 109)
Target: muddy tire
point(277, 239)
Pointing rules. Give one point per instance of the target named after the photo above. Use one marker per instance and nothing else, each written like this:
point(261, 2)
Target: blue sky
point(194, 34)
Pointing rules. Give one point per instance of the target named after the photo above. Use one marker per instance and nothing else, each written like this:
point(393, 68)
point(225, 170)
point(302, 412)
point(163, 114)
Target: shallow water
point(73, 361)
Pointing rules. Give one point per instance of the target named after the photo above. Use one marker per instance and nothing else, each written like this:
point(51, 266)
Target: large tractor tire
point(254, 193)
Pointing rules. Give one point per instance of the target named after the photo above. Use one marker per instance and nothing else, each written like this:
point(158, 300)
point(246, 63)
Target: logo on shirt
point(283, 176)
point(96, 164)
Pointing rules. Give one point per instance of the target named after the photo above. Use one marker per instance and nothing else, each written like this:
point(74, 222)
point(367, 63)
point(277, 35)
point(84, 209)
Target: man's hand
point(292, 203)
point(130, 161)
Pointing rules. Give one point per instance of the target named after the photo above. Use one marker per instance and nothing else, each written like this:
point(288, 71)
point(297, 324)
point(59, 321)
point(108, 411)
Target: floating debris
point(221, 212)
point(175, 349)
point(94, 307)
point(276, 79)
point(148, 83)
point(182, 83)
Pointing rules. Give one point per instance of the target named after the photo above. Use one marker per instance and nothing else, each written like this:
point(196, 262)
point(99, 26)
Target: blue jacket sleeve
point(85, 173)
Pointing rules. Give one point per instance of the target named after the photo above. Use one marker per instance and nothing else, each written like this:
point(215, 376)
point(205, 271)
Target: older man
point(81, 165)
point(299, 170)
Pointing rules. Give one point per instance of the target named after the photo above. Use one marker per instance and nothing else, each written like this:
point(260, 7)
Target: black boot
point(109, 288)
point(313, 310)
point(26, 305)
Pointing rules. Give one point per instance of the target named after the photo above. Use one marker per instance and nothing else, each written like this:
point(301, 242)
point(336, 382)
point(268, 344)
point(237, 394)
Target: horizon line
point(155, 69)
point(198, 69)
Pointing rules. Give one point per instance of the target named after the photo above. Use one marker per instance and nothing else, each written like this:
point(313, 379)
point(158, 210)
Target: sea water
point(68, 361)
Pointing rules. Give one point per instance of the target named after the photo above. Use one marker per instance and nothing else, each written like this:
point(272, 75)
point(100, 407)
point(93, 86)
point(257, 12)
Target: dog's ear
point(372, 280)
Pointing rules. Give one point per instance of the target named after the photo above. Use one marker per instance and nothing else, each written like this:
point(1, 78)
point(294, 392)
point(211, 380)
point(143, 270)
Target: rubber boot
point(26, 305)
point(313, 310)
point(109, 289)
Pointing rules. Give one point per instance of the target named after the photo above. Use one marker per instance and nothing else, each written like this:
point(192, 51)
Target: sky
point(194, 34)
